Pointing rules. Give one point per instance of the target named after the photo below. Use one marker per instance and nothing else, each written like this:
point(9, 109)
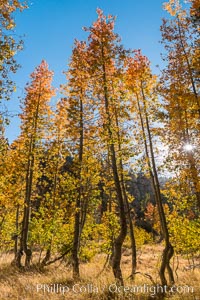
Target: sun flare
point(188, 147)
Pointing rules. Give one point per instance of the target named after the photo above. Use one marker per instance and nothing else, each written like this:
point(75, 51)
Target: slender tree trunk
point(123, 225)
point(28, 192)
point(131, 230)
point(17, 229)
point(26, 214)
point(16, 238)
point(112, 236)
point(168, 250)
point(77, 221)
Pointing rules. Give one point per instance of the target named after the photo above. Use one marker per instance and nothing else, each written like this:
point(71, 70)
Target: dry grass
point(18, 285)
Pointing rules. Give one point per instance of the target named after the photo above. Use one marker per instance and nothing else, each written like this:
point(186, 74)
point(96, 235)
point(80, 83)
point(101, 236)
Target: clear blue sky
point(50, 27)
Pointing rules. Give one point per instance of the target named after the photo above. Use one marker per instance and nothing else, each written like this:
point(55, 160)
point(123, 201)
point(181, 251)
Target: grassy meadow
point(55, 281)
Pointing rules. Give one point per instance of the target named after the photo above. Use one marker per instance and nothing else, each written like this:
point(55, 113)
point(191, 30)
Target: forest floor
point(55, 281)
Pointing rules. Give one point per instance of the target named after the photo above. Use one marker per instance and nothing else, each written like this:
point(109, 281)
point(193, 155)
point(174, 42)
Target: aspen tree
point(106, 58)
point(80, 133)
point(35, 117)
point(179, 88)
point(142, 83)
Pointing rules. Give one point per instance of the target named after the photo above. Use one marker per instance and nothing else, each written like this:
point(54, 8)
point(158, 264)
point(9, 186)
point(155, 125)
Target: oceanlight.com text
point(89, 288)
